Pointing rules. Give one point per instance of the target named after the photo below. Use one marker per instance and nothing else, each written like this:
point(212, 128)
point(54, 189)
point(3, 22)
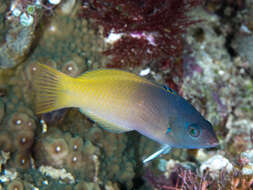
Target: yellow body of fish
point(113, 98)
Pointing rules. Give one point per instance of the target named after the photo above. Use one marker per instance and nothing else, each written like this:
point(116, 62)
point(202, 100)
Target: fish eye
point(194, 130)
point(168, 130)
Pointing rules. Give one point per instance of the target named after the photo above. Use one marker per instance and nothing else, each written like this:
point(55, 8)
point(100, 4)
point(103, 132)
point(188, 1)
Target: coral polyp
point(24, 140)
point(30, 70)
point(55, 151)
point(74, 161)
point(22, 160)
point(17, 136)
point(67, 151)
point(16, 185)
point(74, 67)
point(76, 144)
point(21, 121)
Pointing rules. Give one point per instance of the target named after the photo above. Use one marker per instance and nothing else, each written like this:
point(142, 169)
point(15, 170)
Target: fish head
point(193, 134)
point(190, 130)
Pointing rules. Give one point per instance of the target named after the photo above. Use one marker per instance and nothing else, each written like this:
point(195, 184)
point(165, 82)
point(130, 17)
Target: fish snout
point(213, 141)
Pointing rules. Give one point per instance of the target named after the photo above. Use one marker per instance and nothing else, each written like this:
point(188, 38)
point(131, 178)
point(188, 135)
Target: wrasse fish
point(121, 101)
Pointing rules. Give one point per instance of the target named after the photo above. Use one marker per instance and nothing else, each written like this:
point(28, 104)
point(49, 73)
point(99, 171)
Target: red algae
point(184, 179)
point(152, 29)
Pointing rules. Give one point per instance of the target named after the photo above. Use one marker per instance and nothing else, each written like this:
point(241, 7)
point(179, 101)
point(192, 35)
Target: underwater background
point(203, 49)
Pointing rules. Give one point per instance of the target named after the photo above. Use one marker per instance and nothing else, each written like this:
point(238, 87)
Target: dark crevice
point(230, 49)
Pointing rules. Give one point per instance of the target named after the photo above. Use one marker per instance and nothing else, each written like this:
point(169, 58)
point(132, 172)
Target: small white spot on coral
point(23, 140)
point(75, 147)
point(19, 121)
point(74, 159)
point(58, 149)
point(54, 2)
point(34, 69)
point(221, 72)
point(113, 37)
point(52, 28)
point(144, 72)
point(70, 68)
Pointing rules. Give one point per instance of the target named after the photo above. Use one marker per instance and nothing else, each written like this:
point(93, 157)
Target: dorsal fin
point(105, 73)
point(113, 73)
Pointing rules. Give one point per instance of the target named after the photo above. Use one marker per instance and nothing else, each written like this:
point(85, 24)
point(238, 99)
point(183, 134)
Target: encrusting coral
point(5, 141)
point(86, 186)
point(61, 150)
point(17, 132)
point(20, 129)
point(74, 67)
point(16, 185)
point(21, 160)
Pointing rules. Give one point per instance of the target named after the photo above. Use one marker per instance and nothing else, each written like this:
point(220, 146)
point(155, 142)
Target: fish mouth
point(213, 142)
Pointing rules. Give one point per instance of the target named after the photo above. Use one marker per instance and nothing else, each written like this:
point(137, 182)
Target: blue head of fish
point(187, 128)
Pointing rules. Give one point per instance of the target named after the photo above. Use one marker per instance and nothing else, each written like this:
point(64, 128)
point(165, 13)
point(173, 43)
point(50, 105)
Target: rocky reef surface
point(66, 150)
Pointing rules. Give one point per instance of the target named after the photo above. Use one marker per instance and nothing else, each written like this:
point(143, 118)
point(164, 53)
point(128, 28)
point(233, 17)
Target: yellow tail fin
point(52, 89)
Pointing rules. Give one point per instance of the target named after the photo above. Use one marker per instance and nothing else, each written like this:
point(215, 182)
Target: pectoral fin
point(164, 150)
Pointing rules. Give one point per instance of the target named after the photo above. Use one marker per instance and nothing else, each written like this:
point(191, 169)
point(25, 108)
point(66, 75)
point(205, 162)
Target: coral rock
point(18, 42)
point(86, 186)
point(57, 150)
point(16, 185)
point(215, 164)
point(23, 140)
point(21, 121)
point(74, 67)
point(75, 161)
point(5, 141)
point(76, 144)
point(21, 160)
point(2, 110)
